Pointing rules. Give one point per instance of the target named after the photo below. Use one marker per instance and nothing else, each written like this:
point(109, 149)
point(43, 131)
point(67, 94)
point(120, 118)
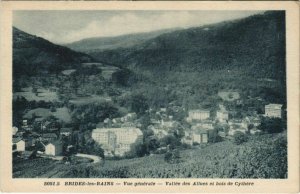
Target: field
point(107, 70)
point(63, 114)
point(262, 157)
point(89, 100)
point(60, 113)
point(39, 112)
point(42, 94)
point(229, 96)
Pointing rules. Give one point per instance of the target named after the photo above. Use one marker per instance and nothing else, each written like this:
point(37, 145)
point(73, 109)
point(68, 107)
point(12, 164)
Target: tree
point(139, 150)
point(34, 90)
point(138, 104)
point(97, 150)
point(240, 137)
point(172, 156)
point(170, 141)
point(272, 125)
point(151, 144)
point(53, 109)
point(121, 77)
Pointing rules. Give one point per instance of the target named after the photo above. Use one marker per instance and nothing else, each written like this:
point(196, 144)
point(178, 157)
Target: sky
point(68, 26)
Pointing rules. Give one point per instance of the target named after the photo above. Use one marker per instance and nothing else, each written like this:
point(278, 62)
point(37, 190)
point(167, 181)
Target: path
point(96, 159)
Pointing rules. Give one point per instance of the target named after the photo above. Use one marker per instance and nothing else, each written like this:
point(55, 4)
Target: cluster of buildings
point(119, 135)
point(161, 123)
point(129, 120)
point(119, 140)
point(47, 142)
point(203, 126)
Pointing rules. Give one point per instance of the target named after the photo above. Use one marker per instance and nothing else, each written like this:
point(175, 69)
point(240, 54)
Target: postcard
point(150, 97)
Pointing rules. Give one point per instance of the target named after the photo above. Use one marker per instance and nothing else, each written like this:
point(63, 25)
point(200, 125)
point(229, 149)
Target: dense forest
point(243, 45)
point(192, 65)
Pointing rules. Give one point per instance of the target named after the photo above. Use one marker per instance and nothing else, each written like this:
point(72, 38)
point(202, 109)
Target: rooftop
point(66, 130)
point(16, 140)
point(49, 135)
point(199, 111)
point(276, 106)
point(123, 129)
point(55, 143)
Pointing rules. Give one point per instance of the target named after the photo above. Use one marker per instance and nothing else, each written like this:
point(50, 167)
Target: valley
point(201, 102)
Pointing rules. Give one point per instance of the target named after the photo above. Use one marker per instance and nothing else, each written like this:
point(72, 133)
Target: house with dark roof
point(66, 131)
point(50, 126)
point(49, 137)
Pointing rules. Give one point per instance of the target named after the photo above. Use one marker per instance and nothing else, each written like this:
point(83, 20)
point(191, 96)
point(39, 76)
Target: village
point(118, 136)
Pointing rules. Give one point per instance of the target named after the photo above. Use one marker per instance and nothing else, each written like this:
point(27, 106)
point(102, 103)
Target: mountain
point(124, 41)
point(32, 55)
point(253, 46)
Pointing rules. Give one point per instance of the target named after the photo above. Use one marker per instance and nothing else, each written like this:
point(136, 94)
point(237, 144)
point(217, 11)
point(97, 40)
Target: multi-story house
point(273, 110)
point(198, 115)
point(117, 141)
point(222, 115)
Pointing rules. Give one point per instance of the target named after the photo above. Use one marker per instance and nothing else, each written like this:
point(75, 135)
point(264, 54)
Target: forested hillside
point(33, 55)
point(190, 66)
point(254, 45)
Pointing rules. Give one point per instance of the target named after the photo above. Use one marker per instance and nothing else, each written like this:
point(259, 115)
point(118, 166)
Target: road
point(96, 159)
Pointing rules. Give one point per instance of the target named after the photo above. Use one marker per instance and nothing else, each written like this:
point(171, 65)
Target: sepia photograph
point(156, 97)
point(149, 94)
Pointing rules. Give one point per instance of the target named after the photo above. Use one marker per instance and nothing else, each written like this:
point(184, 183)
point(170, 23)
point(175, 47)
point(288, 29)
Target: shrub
point(240, 138)
point(172, 157)
point(272, 125)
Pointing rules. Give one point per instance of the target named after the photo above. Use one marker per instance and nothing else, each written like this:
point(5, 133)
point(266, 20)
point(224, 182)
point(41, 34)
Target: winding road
point(96, 159)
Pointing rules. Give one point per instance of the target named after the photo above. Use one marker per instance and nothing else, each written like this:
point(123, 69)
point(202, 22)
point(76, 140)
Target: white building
point(158, 131)
point(198, 115)
point(222, 115)
point(199, 136)
point(117, 141)
point(19, 144)
point(54, 148)
point(273, 110)
point(167, 123)
point(233, 130)
point(14, 130)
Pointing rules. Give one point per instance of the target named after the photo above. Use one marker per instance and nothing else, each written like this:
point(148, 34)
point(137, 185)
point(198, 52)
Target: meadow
point(89, 100)
point(41, 94)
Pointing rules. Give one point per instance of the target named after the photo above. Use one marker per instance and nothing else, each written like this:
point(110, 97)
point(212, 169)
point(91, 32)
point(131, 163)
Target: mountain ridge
point(114, 42)
point(33, 54)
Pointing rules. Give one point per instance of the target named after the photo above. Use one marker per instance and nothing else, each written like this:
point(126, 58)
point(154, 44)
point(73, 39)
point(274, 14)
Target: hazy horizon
point(64, 27)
